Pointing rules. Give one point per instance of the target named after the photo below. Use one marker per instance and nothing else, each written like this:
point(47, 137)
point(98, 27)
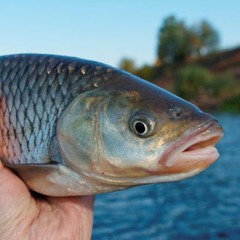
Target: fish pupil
point(140, 127)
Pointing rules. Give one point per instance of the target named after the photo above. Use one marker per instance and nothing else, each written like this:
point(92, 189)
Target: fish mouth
point(194, 151)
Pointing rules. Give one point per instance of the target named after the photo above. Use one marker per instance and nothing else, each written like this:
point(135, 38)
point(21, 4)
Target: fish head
point(131, 132)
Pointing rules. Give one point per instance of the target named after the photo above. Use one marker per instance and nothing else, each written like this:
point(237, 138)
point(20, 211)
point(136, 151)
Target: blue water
point(203, 207)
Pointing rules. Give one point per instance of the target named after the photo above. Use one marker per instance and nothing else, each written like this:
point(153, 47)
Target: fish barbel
point(70, 126)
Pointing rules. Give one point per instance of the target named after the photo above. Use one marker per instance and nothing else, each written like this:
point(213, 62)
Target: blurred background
point(191, 48)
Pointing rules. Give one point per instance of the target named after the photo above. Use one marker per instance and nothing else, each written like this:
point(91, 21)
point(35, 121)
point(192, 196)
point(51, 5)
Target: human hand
point(24, 216)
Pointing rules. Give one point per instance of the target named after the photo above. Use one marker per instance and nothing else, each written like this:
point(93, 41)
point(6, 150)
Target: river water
point(206, 206)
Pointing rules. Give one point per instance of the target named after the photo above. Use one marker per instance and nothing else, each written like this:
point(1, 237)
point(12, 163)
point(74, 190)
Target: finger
point(78, 208)
point(14, 195)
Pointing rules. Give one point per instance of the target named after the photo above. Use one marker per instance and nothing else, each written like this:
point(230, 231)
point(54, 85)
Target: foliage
point(209, 90)
point(229, 92)
point(231, 105)
point(192, 81)
point(206, 39)
point(225, 85)
point(146, 72)
point(177, 42)
point(173, 41)
point(128, 64)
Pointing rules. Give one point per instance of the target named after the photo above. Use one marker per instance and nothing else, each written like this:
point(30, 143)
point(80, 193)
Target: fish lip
point(211, 130)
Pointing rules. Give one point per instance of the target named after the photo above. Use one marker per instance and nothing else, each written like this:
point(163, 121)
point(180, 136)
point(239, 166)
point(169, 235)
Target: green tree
point(128, 64)
point(207, 38)
point(173, 41)
point(193, 81)
point(177, 42)
point(146, 72)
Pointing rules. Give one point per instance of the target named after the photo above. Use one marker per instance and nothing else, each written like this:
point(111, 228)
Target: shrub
point(192, 81)
point(231, 105)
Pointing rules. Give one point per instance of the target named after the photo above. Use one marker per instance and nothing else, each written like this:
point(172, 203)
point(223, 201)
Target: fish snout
point(195, 150)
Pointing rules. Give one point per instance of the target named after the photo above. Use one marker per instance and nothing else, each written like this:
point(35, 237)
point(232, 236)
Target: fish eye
point(142, 125)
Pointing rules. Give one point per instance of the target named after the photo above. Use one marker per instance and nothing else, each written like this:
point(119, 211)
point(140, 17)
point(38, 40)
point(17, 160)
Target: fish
point(72, 127)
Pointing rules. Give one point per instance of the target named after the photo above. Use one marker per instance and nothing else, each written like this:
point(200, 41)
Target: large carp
point(70, 126)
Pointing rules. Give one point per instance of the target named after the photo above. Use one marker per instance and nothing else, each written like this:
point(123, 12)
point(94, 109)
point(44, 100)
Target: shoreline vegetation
point(190, 65)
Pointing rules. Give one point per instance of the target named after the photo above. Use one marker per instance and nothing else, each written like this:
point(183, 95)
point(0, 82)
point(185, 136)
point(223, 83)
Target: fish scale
point(35, 89)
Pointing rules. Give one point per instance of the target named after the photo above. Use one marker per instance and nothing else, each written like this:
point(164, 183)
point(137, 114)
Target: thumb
point(14, 196)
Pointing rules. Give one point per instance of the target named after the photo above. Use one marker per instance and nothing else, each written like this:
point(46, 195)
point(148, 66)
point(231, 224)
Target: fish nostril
point(176, 112)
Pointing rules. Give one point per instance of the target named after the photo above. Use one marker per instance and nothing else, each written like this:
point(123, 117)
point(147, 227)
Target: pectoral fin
point(53, 179)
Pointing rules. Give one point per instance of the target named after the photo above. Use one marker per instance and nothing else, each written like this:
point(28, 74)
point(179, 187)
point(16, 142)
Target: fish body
point(70, 126)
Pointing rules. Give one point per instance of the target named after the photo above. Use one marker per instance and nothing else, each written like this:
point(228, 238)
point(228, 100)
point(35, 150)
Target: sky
point(106, 30)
